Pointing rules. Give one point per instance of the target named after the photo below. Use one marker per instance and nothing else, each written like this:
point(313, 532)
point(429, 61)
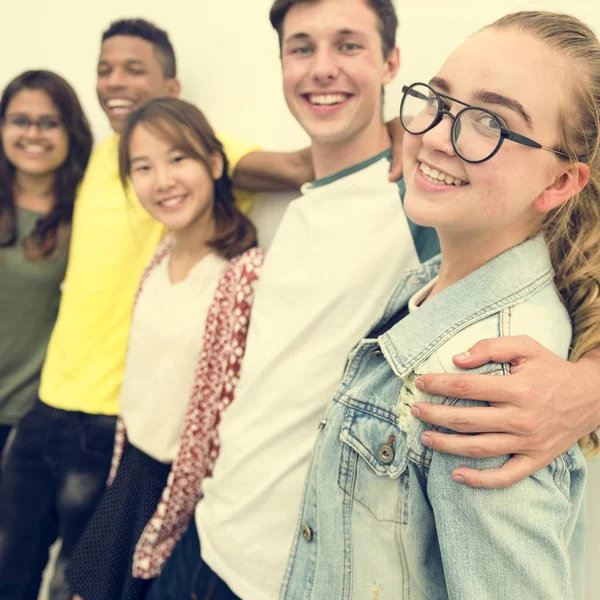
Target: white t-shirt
point(335, 259)
point(417, 299)
point(167, 332)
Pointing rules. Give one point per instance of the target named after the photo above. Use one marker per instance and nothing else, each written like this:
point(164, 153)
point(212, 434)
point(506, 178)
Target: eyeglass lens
point(476, 133)
point(24, 122)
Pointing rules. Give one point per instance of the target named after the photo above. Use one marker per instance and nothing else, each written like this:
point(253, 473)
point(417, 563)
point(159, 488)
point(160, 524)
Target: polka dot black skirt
point(101, 567)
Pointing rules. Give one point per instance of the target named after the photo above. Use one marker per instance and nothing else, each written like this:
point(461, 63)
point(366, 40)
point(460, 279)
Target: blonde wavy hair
point(573, 230)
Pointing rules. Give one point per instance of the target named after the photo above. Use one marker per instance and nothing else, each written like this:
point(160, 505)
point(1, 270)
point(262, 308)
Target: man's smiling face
point(129, 74)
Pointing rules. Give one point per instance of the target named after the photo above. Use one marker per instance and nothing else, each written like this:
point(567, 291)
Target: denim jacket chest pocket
point(373, 457)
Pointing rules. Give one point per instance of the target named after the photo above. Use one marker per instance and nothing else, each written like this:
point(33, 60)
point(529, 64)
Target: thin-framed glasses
point(477, 133)
point(23, 123)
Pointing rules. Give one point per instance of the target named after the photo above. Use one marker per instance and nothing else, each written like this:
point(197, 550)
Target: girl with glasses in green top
point(45, 145)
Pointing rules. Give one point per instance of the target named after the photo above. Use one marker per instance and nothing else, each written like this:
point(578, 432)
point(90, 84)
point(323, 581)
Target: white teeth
point(33, 148)
point(326, 99)
point(171, 201)
point(119, 103)
point(436, 176)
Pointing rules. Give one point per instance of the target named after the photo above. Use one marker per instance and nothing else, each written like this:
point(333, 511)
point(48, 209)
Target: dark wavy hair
point(186, 127)
point(42, 240)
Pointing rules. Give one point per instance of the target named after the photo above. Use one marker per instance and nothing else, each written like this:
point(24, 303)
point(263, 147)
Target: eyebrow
point(129, 62)
point(487, 97)
point(296, 36)
point(306, 36)
point(441, 83)
point(54, 115)
point(174, 148)
point(137, 159)
point(23, 113)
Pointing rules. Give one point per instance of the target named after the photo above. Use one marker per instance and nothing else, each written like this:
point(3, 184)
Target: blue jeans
point(53, 473)
point(186, 576)
point(4, 433)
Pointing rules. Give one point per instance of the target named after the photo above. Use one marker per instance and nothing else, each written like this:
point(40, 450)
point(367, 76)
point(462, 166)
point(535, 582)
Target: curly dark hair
point(42, 240)
point(151, 33)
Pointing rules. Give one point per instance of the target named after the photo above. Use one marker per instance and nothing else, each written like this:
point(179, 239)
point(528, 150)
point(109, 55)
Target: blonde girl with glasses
point(502, 157)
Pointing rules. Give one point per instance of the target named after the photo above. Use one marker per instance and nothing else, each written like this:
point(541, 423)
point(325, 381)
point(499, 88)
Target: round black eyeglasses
point(476, 135)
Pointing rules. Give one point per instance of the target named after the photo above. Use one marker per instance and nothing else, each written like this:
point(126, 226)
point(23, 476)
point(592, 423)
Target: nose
point(115, 80)
point(164, 178)
point(324, 67)
point(440, 137)
point(33, 129)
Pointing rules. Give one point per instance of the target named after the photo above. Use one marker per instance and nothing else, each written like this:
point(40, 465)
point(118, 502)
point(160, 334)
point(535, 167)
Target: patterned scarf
point(216, 378)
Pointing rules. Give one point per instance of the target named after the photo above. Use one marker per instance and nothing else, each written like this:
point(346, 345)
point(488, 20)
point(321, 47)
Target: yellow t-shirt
point(112, 242)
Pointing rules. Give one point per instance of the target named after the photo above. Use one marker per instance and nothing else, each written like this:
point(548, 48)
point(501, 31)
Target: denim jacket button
point(307, 533)
point(385, 454)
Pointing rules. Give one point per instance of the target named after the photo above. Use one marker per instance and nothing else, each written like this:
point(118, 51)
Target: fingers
point(473, 446)
point(500, 350)
point(515, 469)
point(396, 169)
point(396, 132)
point(462, 419)
point(475, 387)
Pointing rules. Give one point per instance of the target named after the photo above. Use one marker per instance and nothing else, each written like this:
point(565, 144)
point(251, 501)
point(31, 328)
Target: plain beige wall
point(228, 64)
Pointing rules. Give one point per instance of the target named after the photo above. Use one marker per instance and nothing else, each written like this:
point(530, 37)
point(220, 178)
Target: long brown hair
point(573, 230)
point(42, 240)
point(183, 125)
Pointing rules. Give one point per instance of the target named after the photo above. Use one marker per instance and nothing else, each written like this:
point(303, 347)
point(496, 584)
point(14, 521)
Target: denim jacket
point(381, 517)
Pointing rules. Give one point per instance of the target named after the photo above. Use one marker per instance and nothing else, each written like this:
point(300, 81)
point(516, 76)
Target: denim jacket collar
point(504, 281)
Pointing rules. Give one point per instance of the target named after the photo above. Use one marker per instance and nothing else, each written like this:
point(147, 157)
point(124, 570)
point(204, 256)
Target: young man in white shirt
point(334, 261)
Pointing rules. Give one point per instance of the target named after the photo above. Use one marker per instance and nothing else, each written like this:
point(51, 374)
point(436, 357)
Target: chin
point(419, 213)
point(40, 172)
point(176, 223)
point(330, 136)
point(116, 124)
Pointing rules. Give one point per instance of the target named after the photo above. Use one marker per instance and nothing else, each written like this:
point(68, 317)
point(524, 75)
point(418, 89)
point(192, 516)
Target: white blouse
point(167, 332)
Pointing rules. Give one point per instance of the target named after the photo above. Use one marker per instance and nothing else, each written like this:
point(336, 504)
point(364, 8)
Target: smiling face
point(174, 187)
point(334, 69)
point(509, 192)
point(129, 74)
point(33, 136)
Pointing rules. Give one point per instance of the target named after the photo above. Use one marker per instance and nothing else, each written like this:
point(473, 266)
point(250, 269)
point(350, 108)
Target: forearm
point(263, 171)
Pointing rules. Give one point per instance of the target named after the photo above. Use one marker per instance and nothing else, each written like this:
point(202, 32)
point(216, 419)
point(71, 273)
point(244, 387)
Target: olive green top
point(29, 297)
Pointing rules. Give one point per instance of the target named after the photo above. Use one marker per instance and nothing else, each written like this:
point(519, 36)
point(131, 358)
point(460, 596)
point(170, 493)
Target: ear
point(569, 183)
point(173, 88)
point(216, 165)
point(392, 64)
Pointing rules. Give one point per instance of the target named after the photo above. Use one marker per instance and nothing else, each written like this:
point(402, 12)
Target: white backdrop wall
point(228, 65)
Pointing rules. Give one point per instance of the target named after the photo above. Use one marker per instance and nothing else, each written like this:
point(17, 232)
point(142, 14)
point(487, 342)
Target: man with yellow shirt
point(57, 465)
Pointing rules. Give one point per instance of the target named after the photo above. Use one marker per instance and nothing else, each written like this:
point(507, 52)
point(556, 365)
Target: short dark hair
point(151, 33)
point(186, 127)
point(384, 10)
